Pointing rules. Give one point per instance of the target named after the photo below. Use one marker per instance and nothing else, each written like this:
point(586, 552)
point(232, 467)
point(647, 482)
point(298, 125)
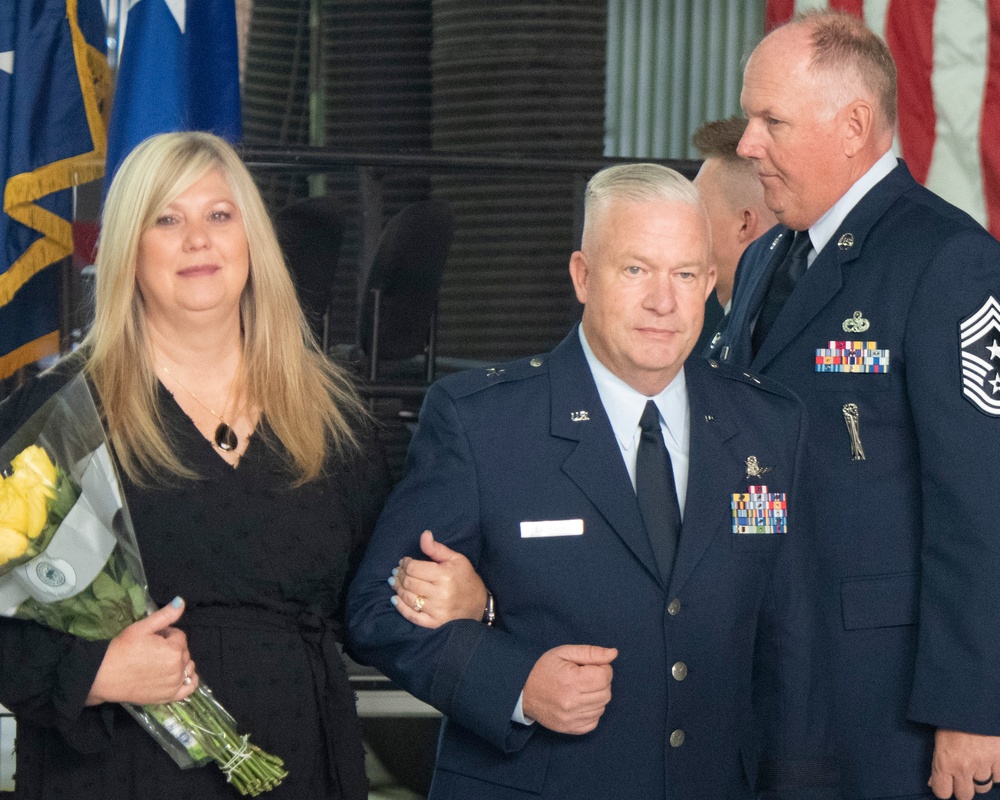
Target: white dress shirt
point(624, 406)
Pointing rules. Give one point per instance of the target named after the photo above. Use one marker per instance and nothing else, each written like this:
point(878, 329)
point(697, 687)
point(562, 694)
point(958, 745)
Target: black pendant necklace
point(225, 437)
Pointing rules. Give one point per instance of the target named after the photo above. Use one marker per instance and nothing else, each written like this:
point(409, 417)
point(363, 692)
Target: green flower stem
point(210, 726)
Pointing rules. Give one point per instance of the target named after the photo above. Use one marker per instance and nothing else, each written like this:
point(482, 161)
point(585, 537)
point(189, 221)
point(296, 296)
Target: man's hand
point(444, 588)
point(964, 765)
point(569, 686)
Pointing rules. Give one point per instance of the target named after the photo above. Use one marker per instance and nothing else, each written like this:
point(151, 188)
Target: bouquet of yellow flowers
point(69, 560)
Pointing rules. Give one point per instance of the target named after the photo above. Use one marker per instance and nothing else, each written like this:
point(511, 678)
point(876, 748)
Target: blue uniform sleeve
point(472, 673)
point(954, 392)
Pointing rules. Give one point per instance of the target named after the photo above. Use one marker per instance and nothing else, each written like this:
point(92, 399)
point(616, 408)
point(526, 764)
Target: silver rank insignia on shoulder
point(979, 337)
point(775, 242)
point(580, 416)
point(493, 372)
point(754, 469)
point(856, 324)
point(846, 242)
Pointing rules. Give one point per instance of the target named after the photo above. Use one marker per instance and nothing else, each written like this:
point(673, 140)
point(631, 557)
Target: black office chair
point(310, 232)
point(398, 318)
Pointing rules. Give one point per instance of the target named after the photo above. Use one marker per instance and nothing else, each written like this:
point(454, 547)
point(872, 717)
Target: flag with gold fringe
point(54, 83)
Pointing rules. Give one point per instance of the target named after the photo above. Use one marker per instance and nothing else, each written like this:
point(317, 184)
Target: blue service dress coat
point(530, 442)
point(905, 514)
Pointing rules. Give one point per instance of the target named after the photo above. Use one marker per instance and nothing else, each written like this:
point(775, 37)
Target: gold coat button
point(677, 738)
point(679, 671)
point(674, 608)
point(536, 362)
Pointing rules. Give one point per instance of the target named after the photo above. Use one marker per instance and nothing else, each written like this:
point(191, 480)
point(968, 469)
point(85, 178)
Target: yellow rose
point(12, 545)
point(23, 507)
point(34, 463)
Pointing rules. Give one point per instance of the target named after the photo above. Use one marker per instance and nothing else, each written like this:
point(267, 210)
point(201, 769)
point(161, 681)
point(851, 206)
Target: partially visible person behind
point(737, 215)
point(645, 642)
point(878, 304)
point(253, 481)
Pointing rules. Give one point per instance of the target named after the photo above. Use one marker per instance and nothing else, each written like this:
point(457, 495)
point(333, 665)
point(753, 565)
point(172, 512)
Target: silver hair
point(640, 182)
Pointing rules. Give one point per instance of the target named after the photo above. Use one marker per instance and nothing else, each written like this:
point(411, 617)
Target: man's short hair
point(843, 45)
point(640, 182)
point(719, 138)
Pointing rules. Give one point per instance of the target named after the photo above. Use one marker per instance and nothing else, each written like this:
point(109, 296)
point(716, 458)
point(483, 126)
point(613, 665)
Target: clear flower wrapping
point(69, 560)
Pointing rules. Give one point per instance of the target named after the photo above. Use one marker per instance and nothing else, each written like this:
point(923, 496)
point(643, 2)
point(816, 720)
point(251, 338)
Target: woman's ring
point(418, 604)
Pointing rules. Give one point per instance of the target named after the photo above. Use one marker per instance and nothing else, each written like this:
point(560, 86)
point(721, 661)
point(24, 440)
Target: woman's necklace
point(225, 436)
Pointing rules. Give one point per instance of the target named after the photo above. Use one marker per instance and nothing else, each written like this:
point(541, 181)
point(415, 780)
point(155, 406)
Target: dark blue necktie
point(781, 287)
point(655, 490)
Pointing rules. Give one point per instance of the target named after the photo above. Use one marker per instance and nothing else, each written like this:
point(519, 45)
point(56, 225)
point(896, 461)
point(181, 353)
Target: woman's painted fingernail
point(392, 581)
point(177, 602)
point(395, 570)
point(394, 600)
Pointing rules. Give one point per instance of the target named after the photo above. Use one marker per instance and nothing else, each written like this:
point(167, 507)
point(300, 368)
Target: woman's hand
point(431, 593)
point(148, 662)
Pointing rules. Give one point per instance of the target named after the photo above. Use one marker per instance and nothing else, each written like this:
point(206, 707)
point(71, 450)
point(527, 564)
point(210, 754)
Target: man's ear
point(858, 121)
point(748, 223)
point(749, 230)
point(712, 277)
point(579, 272)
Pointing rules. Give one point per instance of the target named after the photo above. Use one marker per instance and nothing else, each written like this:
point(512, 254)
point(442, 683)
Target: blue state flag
point(54, 81)
point(179, 71)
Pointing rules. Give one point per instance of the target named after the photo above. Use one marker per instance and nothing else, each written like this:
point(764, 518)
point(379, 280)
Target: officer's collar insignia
point(979, 337)
point(846, 242)
point(856, 324)
point(579, 416)
point(776, 240)
point(754, 469)
point(492, 372)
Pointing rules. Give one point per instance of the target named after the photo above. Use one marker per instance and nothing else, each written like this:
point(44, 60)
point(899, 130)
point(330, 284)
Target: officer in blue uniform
point(891, 337)
point(631, 656)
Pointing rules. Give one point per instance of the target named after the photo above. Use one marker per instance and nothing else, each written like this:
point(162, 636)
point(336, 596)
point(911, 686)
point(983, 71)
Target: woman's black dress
point(263, 569)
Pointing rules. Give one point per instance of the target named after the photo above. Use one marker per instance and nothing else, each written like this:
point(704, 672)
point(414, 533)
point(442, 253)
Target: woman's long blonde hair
point(308, 402)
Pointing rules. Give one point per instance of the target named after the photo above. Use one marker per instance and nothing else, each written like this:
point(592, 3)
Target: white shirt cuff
point(518, 715)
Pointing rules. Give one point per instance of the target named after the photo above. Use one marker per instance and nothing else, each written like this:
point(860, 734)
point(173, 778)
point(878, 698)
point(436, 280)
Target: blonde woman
point(253, 480)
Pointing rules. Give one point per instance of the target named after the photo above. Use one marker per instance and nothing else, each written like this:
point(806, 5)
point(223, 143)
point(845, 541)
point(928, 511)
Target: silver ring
point(418, 604)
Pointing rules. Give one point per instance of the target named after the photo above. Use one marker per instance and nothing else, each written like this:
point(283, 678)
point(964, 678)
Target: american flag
point(948, 56)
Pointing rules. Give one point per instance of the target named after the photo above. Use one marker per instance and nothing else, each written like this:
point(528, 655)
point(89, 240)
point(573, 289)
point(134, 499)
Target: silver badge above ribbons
point(754, 469)
point(856, 324)
point(979, 337)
